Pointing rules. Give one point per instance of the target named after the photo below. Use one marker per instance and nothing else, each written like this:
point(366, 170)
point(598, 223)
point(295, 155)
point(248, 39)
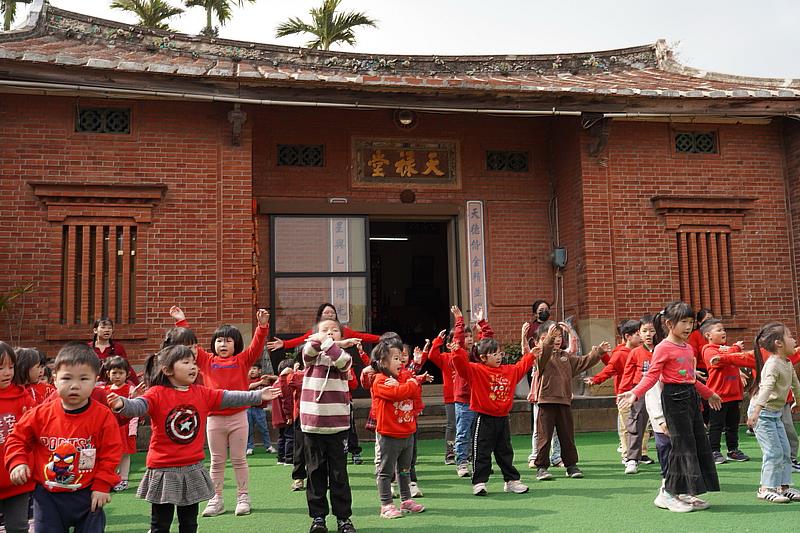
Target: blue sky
point(735, 36)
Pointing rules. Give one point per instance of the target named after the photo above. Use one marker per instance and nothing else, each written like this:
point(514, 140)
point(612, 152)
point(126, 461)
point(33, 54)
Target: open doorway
point(410, 278)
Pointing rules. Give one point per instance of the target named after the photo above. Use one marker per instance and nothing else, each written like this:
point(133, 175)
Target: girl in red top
point(325, 311)
point(227, 367)
point(175, 476)
point(697, 340)
point(105, 347)
point(28, 372)
point(394, 398)
point(691, 470)
point(442, 360)
point(114, 374)
point(14, 401)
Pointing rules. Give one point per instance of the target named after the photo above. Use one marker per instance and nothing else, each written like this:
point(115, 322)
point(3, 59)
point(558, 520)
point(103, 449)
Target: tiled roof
point(62, 38)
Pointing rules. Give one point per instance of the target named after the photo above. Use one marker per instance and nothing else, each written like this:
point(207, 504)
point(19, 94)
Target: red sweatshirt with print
point(14, 402)
point(723, 375)
point(492, 388)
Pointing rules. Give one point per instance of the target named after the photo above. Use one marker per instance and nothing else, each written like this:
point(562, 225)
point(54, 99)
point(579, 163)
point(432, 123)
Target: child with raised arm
point(115, 374)
point(395, 394)
point(70, 446)
point(556, 368)
point(227, 367)
point(724, 378)
point(774, 378)
point(442, 360)
point(492, 387)
point(179, 409)
point(691, 468)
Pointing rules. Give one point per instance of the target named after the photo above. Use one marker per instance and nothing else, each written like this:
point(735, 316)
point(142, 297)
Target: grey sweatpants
point(791, 432)
point(394, 453)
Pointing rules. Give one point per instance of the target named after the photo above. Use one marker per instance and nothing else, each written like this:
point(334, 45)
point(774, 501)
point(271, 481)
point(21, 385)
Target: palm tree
point(9, 9)
point(328, 26)
point(222, 9)
point(151, 13)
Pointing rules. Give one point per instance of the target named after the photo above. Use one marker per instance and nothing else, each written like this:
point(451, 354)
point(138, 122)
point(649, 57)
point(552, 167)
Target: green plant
point(220, 8)
point(513, 353)
point(151, 13)
point(9, 10)
point(6, 300)
point(327, 25)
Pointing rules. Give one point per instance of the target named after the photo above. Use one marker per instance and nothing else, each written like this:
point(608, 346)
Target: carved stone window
point(301, 155)
point(696, 142)
point(506, 161)
point(103, 120)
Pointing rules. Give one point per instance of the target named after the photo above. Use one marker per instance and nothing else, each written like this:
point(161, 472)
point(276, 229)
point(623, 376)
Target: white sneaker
point(532, 463)
point(665, 500)
point(242, 505)
point(462, 470)
point(249, 451)
point(631, 467)
point(619, 448)
point(771, 495)
point(696, 503)
point(515, 486)
point(416, 492)
point(216, 506)
point(479, 489)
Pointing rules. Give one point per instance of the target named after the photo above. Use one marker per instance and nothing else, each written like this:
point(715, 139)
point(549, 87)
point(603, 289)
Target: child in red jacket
point(492, 387)
point(70, 447)
point(394, 395)
point(283, 413)
point(115, 374)
point(723, 363)
point(14, 402)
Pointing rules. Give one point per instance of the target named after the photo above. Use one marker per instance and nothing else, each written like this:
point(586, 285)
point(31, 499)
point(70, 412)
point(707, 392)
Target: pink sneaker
point(390, 511)
point(410, 506)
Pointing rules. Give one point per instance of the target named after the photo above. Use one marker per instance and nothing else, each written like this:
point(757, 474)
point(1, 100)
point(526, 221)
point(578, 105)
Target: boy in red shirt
point(70, 447)
point(723, 363)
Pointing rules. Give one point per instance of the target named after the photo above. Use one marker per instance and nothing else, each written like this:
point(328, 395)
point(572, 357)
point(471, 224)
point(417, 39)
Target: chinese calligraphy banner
point(395, 162)
point(476, 257)
point(340, 286)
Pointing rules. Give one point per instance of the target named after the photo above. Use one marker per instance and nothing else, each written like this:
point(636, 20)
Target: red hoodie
point(395, 405)
point(461, 386)
point(442, 360)
point(723, 376)
point(67, 452)
point(615, 367)
point(14, 402)
point(697, 340)
point(492, 388)
point(229, 373)
point(637, 364)
point(283, 406)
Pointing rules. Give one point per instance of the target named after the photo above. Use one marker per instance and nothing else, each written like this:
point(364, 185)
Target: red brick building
point(142, 169)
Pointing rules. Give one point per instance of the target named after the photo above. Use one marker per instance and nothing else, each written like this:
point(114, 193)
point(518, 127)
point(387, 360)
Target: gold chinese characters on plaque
point(395, 162)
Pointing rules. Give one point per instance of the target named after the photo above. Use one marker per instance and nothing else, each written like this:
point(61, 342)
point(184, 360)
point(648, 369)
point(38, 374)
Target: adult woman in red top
point(325, 311)
point(104, 346)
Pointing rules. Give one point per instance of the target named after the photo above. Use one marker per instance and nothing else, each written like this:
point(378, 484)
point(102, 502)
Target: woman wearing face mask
point(541, 314)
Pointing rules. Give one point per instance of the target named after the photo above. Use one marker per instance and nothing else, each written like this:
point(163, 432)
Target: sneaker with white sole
point(215, 506)
point(665, 500)
point(646, 460)
point(574, 472)
point(795, 466)
point(532, 463)
point(542, 474)
point(462, 470)
point(696, 503)
point(771, 495)
point(791, 493)
point(515, 486)
point(631, 467)
point(719, 458)
point(390, 511)
point(242, 505)
point(416, 492)
point(297, 484)
point(271, 450)
point(249, 451)
point(738, 456)
point(479, 489)
point(410, 506)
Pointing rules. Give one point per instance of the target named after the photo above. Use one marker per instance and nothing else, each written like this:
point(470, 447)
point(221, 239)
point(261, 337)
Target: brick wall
point(791, 141)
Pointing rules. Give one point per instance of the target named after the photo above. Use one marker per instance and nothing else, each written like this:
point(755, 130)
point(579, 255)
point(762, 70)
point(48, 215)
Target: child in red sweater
point(442, 360)
point(723, 363)
point(227, 367)
point(28, 372)
point(492, 387)
point(105, 347)
point(394, 396)
point(14, 401)
point(70, 447)
point(114, 374)
point(283, 413)
point(178, 408)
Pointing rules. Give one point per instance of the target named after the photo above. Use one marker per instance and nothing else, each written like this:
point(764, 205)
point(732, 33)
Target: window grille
point(301, 155)
point(696, 142)
point(506, 161)
point(704, 264)
point(103, 120)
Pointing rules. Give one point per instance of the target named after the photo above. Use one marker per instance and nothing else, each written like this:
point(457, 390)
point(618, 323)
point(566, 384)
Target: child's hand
point(391, 382)
point(297, 366)
point(318, 337)
point(664, 428)
point(274, 344)
point(714, 360)
point(417, 355)
point(359, 347)
point(347, 343)
point(752, 420)
point(262, 315)
point(724, 348)
point(177, 313)
point(269, 379)
point(423, 378)
point(427, 347)
point(588, 381)
point(526, 327)
point(604, 347)
point(479, 314)
point(369, 369)
point(740, 344)
point(114, 401)
point(442, 334)
point(138, 390)
point(20, 474)
point(270, 393)
point(453, 346)
point(99, 499)
point(626, 399)
point(715, 402)
point(456, 312)
point(286, 371)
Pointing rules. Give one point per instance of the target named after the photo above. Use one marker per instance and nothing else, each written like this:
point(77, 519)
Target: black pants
point(286, 444)
point(726, 419)
point(558, 417)
point(352, 435)
point(492, 435)
point(61, 511)
point(161, 517)
point(299, 462)
point(326, 463)
point(691, 468)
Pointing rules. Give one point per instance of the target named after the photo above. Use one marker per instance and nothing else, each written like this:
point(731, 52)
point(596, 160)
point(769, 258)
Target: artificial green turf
point(605, 500)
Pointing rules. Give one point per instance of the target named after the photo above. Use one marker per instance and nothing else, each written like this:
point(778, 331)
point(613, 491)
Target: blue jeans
point(776, 464)
point(257, 419)
point(555, 444)
point(465, 421)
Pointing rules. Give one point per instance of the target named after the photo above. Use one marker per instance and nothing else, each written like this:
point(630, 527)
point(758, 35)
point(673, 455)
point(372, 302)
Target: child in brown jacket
point(557, 368)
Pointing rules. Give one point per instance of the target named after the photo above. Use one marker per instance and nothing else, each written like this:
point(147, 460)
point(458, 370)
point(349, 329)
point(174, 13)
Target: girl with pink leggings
point(226, 367)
